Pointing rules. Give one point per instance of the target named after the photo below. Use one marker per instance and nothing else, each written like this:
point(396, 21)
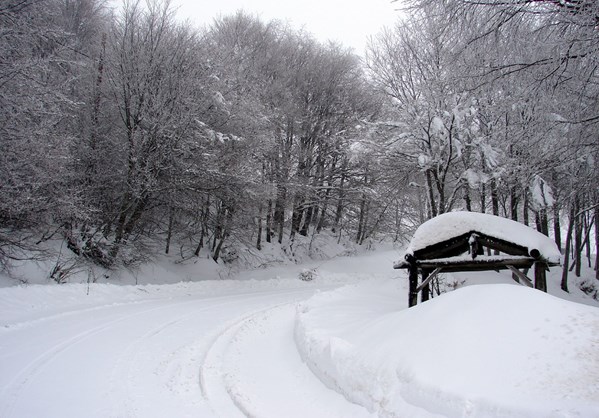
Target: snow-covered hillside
point(267, 344)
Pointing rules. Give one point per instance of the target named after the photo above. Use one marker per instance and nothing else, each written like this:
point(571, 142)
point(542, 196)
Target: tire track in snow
point(123, 368)
point(11, 392)
point(239, 382)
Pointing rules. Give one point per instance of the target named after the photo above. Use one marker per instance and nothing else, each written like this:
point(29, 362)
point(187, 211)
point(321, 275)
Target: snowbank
point(481, 351)
point(453, 224)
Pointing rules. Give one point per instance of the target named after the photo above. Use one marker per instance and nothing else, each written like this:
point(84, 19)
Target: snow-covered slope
point(481, 351)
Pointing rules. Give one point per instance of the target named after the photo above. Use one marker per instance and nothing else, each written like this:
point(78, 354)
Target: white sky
point(347, 21)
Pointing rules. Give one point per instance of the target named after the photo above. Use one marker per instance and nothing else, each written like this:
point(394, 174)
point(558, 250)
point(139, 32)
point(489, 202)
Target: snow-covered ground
point(263, 343)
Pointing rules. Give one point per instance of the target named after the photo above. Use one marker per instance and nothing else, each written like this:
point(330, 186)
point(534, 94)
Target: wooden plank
point(478, 264)
point(521, 276)
point(428, 279)
point(451, 247)
point(501, 245)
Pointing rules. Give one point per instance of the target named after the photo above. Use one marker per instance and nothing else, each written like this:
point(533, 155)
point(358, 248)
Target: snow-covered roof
point(454, 224)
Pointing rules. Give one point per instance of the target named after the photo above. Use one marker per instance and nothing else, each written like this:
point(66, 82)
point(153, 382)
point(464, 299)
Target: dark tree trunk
point(557, 231)
point(269, 221)
point(431, 194)
point(494, 197)
point(226, 229)
point(577, 242)
point(307, 220)
point(513, 204)
point(494, 203)
point(564, 282)
point(483, 198)
point(361, 218)
point(169, 232)
point(467, 198)
point(296, 217)
point(597, 243)
point(259, 238)
point(204, 228)
point(525, 215)
point(339, 209)
point(279, 215)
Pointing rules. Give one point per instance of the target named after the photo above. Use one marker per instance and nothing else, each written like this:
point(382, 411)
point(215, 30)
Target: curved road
point(184, 356)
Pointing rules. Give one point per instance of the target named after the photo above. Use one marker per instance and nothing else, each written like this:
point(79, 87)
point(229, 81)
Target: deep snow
point(267, 344)
point(481, 351)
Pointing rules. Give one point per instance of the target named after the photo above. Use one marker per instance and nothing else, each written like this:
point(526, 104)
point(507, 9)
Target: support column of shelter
point(426, 290)
point(540, 277)
point(413, 281)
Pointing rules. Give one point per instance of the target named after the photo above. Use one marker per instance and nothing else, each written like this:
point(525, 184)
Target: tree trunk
point(307, 220)
point(467, 198)
point(259, 238)
point(513, 204)
point(557, 231)
point(361, 220)
point(577, 241)
point(296, 217)
point(525, 214)
point(279, 215)
point(597, 243)
point(339, 210)
point(494, 203)
point(169, 233)
point(564, 282)
point(226, 229)
point(431, 194)
point(494, 197)
point(204, 228)
point(483, 198)
point(269, 221)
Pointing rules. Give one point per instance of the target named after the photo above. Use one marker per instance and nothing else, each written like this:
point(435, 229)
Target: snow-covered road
point(180, 356)
point(213, 348)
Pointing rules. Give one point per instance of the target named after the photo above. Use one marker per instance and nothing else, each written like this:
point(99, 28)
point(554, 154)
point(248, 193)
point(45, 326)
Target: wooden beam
point(478, 264)
point(521, 276)
point(451, 247)
point(501, 245)
point(428, 279)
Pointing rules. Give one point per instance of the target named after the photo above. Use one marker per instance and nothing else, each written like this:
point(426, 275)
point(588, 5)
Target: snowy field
point(263, 343)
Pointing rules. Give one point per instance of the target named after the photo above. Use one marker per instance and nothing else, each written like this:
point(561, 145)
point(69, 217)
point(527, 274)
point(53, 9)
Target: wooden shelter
point(461, 241)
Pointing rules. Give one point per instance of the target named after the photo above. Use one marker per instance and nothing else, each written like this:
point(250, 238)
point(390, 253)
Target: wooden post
point(426, 290)
point(540, 278)
point(413, 281)
point(413, 294)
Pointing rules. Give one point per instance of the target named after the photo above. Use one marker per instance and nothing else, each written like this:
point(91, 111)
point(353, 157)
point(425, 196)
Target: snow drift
point(481, 351)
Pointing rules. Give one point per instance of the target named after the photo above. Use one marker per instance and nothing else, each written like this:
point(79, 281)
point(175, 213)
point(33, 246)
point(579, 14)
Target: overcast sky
point(346, 21)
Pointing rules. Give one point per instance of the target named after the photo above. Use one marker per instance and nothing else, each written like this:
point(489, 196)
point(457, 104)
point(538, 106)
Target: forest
point(126, 132)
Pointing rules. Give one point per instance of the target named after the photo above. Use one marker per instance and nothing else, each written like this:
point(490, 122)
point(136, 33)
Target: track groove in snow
point(266, 377)
point(12, 390)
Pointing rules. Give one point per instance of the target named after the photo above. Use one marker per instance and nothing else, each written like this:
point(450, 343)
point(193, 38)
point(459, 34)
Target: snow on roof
point(453, 224)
